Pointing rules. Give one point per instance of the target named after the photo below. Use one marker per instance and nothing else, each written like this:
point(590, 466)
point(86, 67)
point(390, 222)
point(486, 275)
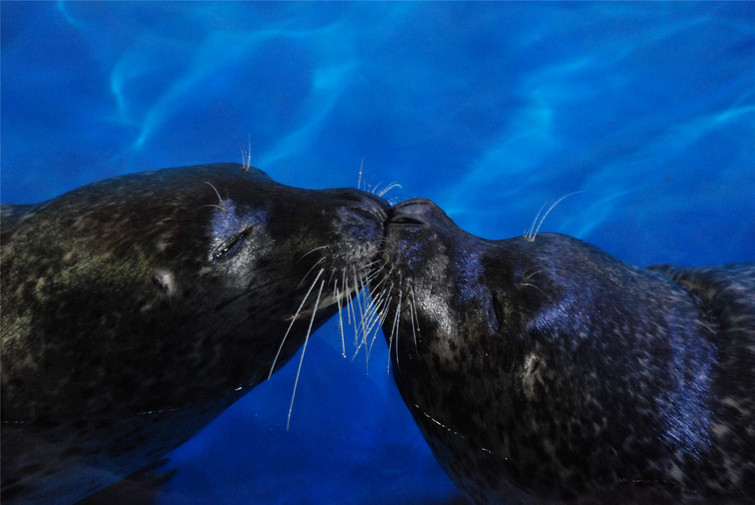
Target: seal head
point(544, 370)
point(136, 309)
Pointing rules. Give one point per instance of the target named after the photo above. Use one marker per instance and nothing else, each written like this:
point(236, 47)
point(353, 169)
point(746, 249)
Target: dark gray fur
point(548, 371)
point(136, 309)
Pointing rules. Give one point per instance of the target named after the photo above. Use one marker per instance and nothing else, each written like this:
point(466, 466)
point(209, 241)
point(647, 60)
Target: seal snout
point(414, 212)
point(366, 203)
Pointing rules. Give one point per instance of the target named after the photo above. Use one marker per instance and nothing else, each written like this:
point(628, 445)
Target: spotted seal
point(136, 309)
point(544, 370)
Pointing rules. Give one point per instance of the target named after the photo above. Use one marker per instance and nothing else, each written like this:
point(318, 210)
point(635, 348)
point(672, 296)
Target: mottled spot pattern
point(548, 371)
point(137, 309)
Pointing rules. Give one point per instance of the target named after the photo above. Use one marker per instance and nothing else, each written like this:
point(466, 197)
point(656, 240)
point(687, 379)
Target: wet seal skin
point(136, 309)
point(542, 370)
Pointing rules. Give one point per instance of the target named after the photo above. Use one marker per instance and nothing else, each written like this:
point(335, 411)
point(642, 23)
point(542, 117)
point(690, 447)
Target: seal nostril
point(414, 202)
point(403, 219)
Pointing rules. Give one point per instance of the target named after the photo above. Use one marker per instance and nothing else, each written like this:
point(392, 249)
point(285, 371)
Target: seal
point(138, 308)
point(541, 369)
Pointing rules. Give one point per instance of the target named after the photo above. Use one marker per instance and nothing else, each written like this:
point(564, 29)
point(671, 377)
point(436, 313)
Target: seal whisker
point(246, 155)
point(220, 199)
point(528, 234)
point(310, 271)
point(531, 235)
point(361, 169)
point(413, 315)
point(362, 296)
point(293, 320)
point(394, 333)
point(367, 323)
point(386, 276)
point(391, 186)
point(374, 188)
point(346, 289)
point(375, 310)
point(381, 317)
point(529, 284)
point(337, 295)
point(352, 315)
point(215, 206)
point(304, 350)
point(359, 300)
point(312, 250)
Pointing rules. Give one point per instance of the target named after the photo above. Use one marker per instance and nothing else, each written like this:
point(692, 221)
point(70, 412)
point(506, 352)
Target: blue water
point(491, 110)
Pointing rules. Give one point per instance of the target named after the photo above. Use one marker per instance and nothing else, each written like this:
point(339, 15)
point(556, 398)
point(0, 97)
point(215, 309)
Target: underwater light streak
point(61, 6)
point(218, 51)
point(328, 83)
point(221, 52)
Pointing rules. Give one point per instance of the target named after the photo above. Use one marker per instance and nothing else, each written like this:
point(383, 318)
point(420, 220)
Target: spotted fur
point(545, 370)
point(136, 309)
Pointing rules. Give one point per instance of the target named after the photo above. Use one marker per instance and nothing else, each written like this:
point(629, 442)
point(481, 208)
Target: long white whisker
point(352, 313)
point(220, 199)
point(394, 334)
point(388, 188)
point(346, 290)
point(387, 275)
point(337, 296)
point(310, 271)
point(412, 315)
point(361, 168)
point(373, 315)
point(415, 315)
point(369, 319)
point(360, 301)
point(293, 320)
point(246, 155)
point(313, 250)
point(303, 350)
point(531, 236)
point(381, 321)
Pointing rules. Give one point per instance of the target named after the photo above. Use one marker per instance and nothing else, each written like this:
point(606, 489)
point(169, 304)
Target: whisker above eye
point(220, 199)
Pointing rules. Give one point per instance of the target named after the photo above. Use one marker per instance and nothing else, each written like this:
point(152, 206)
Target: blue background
point(489, 109)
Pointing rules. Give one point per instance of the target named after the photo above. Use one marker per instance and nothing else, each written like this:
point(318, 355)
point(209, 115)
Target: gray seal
point(136, 309)
point(541, 369)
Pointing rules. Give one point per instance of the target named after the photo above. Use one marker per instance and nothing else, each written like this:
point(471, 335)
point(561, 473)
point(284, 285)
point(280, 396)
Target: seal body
point(136, 309)
point(544, 370)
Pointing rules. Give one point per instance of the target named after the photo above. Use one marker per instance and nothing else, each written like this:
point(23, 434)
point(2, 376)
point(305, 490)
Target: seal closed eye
point(542, 370)
point(136, 309)
point(230, 246)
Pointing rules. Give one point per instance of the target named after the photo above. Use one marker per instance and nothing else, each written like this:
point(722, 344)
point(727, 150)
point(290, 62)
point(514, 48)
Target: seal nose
point(371, 204)
point(414, 212)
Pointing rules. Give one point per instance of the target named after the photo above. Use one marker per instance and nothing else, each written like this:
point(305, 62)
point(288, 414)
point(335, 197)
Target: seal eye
point(230, 246)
